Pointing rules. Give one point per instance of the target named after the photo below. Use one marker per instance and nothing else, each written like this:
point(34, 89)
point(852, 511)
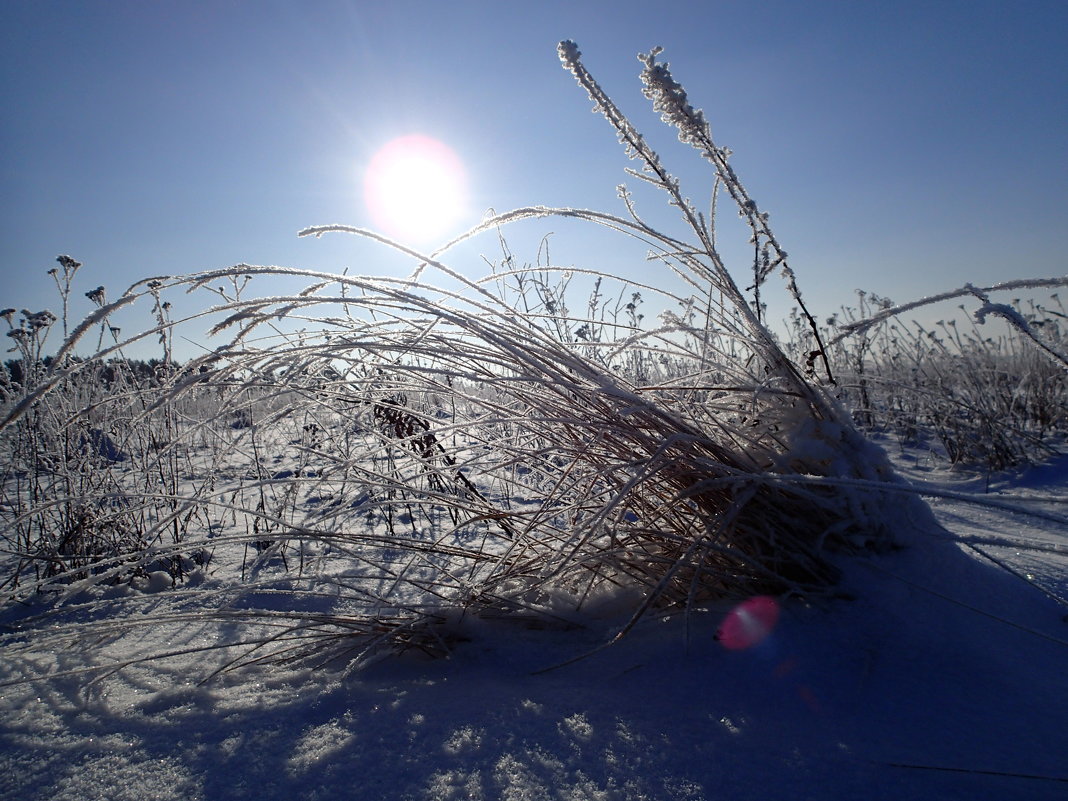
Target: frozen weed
point(981, 398)
point(378, 461)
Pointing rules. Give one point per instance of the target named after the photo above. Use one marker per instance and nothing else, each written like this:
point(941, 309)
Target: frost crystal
point(670, 100)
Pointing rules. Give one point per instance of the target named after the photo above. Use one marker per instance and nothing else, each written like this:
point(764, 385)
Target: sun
point(415, 188)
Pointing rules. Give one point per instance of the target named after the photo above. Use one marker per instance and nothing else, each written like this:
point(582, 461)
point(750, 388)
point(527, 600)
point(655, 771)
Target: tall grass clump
point(376, 460)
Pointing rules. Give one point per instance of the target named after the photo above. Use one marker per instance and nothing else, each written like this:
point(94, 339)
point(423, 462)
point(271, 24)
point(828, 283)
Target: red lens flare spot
point(749, 623)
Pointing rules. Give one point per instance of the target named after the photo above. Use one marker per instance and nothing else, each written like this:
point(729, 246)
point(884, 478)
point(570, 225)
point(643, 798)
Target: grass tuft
point(366, 464)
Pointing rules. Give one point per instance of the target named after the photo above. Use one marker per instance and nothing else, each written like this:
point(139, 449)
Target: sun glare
point(415, 189)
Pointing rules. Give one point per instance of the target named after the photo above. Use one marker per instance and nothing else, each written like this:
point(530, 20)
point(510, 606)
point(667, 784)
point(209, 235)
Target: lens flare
point(415, 189)
point(749, 623)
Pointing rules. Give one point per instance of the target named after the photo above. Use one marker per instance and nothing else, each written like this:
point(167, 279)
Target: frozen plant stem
point(670, 101)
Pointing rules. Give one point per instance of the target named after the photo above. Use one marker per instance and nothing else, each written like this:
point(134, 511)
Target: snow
point(940, 676)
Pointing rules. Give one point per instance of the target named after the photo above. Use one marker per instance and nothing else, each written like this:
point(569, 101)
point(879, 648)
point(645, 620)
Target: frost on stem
point(633, 142)
point(670, 101)
point(1016, 320)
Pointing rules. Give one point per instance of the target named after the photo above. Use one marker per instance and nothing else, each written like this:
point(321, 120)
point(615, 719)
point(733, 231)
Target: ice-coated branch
point(859, 326)
point(1016, 320)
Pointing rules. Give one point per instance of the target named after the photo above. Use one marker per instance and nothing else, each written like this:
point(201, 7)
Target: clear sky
point(900, 147)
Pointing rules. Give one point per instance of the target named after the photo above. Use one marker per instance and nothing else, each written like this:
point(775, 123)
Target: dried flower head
point(38, 320)
point(68, 264)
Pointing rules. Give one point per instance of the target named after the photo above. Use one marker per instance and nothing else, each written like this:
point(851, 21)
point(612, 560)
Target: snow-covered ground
point(941, 677)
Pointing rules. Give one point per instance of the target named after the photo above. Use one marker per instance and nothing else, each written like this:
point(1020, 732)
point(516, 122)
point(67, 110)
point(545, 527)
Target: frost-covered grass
point(367, 465)
point(470, 451)
point(979, 395)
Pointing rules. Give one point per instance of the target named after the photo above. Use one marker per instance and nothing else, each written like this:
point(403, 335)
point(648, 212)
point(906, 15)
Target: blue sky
point(902, 148)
